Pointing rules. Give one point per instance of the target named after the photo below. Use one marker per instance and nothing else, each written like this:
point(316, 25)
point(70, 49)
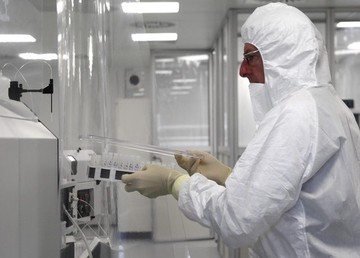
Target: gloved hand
point(152, 181)
point(208, 166)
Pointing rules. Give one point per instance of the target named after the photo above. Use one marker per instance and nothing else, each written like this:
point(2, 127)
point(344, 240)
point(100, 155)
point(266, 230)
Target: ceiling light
point(150, 7)
point(284, 1)
point(179, 92)
point(154, 36)
point(348, 24)
point(354, 46)
point(164, 72)
point(194, 58)
point(189, 87)
point(7, 38)
point(346, 52)
point(184, 80)
point(165, 60)
point(33, 56)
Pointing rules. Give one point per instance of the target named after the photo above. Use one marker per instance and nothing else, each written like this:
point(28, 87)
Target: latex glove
point(208, 166)
point(152, 181)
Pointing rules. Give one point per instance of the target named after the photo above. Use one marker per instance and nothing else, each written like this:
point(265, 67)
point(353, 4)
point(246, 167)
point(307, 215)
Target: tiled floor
point(150, 249)
point(140, 246)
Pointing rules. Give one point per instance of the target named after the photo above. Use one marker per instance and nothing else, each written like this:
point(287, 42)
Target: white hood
point(293, 52)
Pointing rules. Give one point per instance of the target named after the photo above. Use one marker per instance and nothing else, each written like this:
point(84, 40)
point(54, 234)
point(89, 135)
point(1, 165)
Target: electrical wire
point(41, 61)
point(22, 76)
point(10, 64)
point(94, 232)
point(98, 223)
point(17, 71)
point(80, 231)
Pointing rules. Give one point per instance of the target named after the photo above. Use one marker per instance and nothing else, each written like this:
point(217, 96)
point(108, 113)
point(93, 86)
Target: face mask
point(260, 101)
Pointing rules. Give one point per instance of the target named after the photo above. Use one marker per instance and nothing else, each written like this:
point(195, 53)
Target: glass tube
point(140, 147)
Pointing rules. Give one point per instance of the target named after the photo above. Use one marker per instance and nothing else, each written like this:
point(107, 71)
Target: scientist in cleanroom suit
point(295, 191)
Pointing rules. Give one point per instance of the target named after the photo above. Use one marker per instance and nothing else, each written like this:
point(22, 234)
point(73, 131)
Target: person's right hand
point(152, 181)
point(208, 166)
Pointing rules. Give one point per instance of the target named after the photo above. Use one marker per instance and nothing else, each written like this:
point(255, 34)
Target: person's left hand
point(152, 181)
point(208, 166)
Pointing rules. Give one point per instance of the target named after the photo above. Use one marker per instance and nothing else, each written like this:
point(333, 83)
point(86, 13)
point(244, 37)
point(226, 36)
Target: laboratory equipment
point(29, 225)
point(140, 147)
point(16, 89)
point(81, 205)
point(94, 197)
point(89, 198)
point(112, 166)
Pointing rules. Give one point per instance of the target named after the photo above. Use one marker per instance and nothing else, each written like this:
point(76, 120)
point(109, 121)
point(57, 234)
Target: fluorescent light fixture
point(14, 38)
point(138, 94)
point(354, 46)
point(348, 24)
point(185, 80)
point(194, 58)
point(150, 7)
point(189, 87)
point(154, 36)
point(346, 52)
point(179, 92)
point(33, 56)
point(164, 72)
point(165, 60)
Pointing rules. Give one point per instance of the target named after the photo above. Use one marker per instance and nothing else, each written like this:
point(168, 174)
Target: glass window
point(224, 86)
point(347, 62)
point(181, 100)
point(319, 19)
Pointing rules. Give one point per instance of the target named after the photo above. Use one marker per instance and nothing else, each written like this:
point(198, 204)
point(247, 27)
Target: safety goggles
point(248, 57)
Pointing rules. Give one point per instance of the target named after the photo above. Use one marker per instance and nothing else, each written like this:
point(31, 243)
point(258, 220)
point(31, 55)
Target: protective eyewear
point(248, 57)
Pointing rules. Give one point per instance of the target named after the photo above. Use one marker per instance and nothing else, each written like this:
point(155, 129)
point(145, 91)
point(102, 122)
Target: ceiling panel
point(197, 23)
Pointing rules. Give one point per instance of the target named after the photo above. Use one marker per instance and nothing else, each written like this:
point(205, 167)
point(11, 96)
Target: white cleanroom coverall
point(295, 191)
